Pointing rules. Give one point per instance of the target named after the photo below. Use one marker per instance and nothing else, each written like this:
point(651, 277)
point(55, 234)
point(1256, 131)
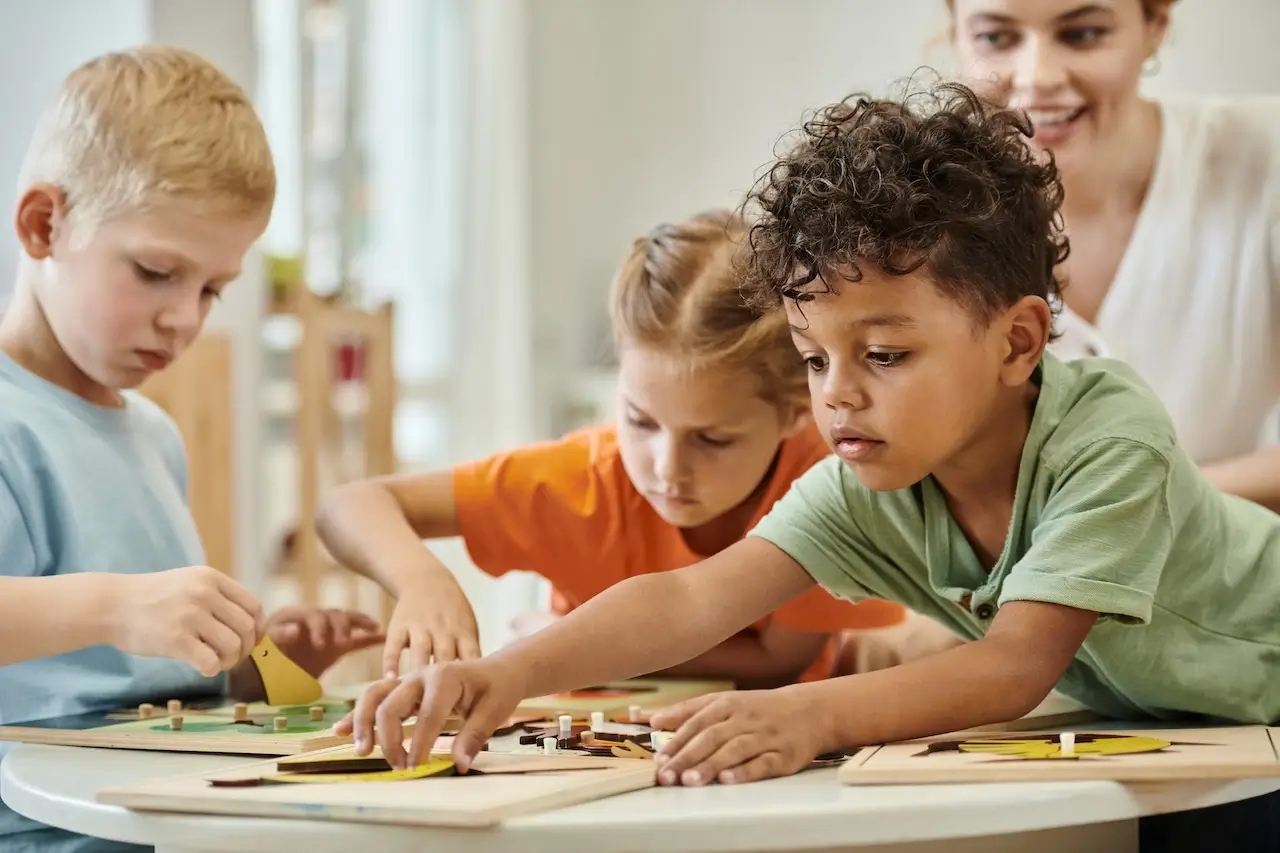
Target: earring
point(1151, 67)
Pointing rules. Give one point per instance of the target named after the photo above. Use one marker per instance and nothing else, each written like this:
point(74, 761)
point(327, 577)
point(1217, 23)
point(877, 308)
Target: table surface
point(57, 785)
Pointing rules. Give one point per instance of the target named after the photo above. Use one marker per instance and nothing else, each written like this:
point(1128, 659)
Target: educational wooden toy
point(295, 718)
point(212, 725)
point(499, 786)
point(1114, 754)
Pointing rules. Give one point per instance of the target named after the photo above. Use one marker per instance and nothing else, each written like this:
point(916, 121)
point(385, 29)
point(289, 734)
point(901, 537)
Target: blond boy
point(146, 182)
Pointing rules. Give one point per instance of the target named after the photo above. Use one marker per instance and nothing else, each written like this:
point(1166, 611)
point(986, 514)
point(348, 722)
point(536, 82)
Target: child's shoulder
point(45, 428)
point(575, 462)
point(1089, 402)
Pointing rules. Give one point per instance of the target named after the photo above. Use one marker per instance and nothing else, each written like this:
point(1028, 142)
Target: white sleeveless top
point(1195, 303)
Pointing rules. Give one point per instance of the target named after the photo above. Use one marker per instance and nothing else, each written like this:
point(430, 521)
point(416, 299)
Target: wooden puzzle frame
point(509, 785)
point(1092, 754)
point(206, 726)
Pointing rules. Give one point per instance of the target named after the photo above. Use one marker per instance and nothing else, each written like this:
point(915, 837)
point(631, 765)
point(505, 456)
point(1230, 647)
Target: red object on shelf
point(350, 361)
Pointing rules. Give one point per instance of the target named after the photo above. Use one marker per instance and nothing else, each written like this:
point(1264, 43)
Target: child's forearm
point(973, 684)
point(750, 663)
point(46, 616)
point(740, 659)
point(365, 529)
point(653, 622)
point(662, 629)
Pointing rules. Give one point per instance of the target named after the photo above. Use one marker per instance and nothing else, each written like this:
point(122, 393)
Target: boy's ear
point(1028, 325)
point(40, 215)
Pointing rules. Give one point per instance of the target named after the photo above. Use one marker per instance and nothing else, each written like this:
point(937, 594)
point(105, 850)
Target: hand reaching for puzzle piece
point(740, 736)
point(433, 623)
point(299, 645)
point(315, 639)
point(482, 692)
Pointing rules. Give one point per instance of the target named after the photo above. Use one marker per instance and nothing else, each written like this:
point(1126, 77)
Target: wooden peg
point(175, 706)
point(145, 710)
point(280, 723)
point(175, 722)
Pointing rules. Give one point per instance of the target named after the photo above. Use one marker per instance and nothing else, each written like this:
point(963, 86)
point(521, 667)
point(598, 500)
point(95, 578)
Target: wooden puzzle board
point(615, 698)
point(1120, 755)
point(512, 785)
point(207, 726)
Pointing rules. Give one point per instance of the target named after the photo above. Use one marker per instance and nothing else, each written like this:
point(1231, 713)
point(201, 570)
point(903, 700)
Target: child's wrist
point(830, 711)
point(103, 603)
point(419, 574)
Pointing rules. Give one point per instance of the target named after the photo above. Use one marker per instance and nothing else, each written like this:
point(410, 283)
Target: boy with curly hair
point(1042, 510)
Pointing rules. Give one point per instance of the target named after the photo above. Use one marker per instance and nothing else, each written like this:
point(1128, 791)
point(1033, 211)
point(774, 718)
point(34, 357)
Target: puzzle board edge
point(166, 795)
point(868, 772)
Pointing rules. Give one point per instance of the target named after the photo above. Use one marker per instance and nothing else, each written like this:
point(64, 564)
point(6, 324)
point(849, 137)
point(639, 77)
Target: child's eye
point(886, 359)
point(815, 363)
point(716, 442)
point(212, 293)
point(148, 274)
point(639, 423)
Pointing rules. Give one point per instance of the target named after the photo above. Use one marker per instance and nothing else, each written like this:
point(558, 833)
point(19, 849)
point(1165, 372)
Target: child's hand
point(483, 693)
point(736, 737)
point(195, 614)
point(434, 622)
point(315, 639)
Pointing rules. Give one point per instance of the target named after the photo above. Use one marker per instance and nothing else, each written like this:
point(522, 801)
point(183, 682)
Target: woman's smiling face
point(1073, 67)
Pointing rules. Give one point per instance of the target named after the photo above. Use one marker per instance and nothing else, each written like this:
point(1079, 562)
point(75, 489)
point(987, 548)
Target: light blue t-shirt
point(85, 488)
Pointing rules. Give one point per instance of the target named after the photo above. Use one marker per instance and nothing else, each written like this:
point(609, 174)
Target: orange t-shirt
point(568, 511)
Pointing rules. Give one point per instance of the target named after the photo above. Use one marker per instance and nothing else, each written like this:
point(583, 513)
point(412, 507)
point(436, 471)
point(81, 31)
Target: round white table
point(806, 812)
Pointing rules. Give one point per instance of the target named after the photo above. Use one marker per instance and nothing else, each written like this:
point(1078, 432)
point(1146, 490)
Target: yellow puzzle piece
point(433, 766)
point(1050, 747)
point(284, 681)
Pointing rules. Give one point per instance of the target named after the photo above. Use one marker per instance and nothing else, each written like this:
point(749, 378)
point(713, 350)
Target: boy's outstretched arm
point(653, 622)
point(375, 528)
point(644, 624)
point(774, 657)
point(747, 736)
point(1001, 677)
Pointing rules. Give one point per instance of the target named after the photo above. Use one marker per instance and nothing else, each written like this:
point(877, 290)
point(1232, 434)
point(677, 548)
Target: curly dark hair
point(941, 179)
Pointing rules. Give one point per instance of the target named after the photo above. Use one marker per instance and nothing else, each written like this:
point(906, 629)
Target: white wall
point(38, 45)
point(644, 111)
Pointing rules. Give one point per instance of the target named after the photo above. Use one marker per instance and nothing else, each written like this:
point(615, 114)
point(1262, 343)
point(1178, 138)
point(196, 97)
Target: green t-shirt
point(1110, 514)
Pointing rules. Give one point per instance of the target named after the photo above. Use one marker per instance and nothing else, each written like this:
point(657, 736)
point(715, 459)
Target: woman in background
point(1173, 211)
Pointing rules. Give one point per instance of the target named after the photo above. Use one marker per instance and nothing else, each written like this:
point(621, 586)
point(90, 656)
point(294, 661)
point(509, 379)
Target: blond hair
point(677, 291)
point(135, 127)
